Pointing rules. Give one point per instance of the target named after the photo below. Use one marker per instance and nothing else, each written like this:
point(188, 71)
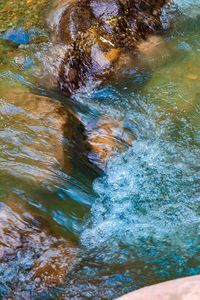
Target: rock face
point(99, 32)
point(181, 289)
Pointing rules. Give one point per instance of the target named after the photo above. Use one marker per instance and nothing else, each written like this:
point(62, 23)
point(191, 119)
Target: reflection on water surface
point(64, 233)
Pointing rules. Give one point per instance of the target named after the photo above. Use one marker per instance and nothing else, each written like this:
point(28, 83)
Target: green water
point(67, 230)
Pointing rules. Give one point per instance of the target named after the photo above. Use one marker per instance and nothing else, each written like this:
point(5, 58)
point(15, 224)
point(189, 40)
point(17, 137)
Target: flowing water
point(67, 230)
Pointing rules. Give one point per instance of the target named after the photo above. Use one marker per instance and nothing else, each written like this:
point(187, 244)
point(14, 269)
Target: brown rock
point(53, 122)
point(108, 138)
point(111, 26)
point(26, 240)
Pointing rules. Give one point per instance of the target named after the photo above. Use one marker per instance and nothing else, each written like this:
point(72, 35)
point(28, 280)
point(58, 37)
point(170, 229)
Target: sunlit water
point(68, 232)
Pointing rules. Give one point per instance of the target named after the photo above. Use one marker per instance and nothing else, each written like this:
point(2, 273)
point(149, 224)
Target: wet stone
point(106, 25)
point(108, 138)
point(105, 9)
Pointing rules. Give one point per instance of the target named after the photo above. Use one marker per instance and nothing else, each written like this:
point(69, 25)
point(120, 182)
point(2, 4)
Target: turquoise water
point(136, 223)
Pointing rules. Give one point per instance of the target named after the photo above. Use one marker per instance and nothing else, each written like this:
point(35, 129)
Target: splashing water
point(144, 225)
point(148, 194)
point(145, 220)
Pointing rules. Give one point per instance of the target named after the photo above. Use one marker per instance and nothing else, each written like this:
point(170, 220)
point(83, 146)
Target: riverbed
point(69, 228)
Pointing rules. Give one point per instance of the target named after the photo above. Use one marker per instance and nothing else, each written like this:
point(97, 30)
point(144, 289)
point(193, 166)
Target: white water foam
point(149, 198)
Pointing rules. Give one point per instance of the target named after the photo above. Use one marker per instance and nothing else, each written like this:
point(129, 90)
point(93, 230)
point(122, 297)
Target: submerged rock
point(47, 135)
point(102, 36)
point(98, 33)
point(108, 138)
point(33, 257)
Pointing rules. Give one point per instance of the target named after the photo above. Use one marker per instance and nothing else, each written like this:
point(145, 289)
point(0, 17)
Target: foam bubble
point(148, 200)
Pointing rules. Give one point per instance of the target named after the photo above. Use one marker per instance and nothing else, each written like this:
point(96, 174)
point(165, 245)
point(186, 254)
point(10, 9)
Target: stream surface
point(67, 230)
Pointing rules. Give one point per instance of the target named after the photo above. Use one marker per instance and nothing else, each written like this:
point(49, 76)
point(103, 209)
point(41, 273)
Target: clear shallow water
point(137, 224)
